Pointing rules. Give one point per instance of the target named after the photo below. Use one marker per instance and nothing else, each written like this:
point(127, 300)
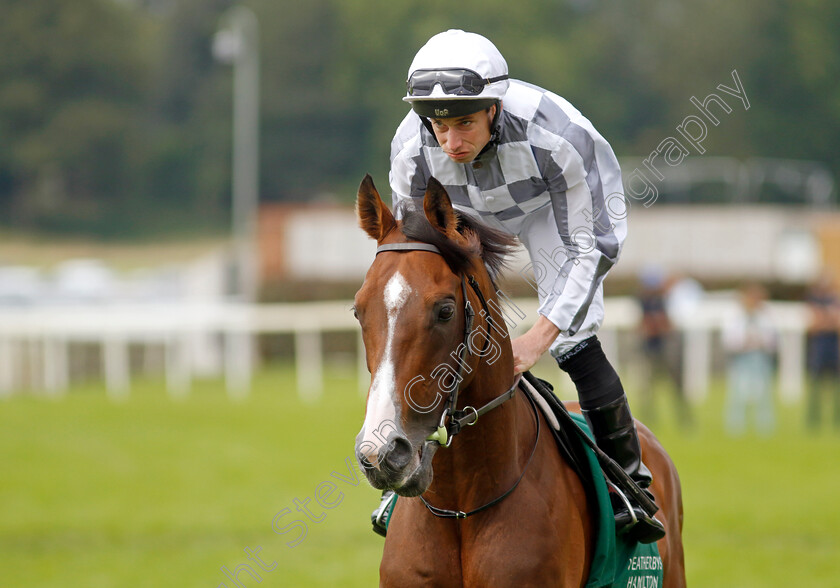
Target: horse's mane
point(489, 244)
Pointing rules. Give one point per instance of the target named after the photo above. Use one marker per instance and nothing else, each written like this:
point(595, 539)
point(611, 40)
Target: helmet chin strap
point(495, 128)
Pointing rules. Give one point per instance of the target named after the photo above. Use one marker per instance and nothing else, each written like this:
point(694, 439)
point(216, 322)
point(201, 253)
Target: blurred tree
point(115, 118)
point(314, 134)
point(186, 168)
point(71, 87)
point(796, 79)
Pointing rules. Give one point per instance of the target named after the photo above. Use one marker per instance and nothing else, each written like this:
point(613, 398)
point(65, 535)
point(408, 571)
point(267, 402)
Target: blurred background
point(178, 255)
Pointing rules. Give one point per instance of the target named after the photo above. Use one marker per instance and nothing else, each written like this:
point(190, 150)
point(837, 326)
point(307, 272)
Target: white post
point(238, 363)
point(791, 366)
point(178, 368)
point(117, 369)
point(238, 43)
point(55, 366)
point(7, 375)
point(33, 352)
point(697, 361)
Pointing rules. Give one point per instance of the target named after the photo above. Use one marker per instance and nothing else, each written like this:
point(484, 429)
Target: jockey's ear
point(374, 217)
point(439, 210)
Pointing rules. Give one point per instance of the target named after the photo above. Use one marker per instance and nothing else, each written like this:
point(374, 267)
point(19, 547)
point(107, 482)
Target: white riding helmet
point(454, 74)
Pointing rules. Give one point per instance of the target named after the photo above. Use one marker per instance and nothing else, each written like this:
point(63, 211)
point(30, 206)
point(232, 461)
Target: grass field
point(156, 492)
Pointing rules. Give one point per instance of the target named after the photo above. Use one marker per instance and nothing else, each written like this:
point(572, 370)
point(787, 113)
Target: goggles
point(455, 82)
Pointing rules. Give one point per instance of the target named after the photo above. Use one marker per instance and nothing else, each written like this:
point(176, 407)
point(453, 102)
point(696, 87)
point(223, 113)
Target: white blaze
point(381, 416)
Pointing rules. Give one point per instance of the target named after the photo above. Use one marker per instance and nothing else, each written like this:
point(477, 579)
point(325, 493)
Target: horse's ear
point(374, 217)
point(439, 211)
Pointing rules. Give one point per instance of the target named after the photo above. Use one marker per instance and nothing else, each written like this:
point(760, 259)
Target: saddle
point(557, 414)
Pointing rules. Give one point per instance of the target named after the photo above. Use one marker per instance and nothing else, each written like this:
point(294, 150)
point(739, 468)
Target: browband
point(408, 247)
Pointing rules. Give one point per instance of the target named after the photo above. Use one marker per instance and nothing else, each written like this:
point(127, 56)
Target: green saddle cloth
point(617, 562)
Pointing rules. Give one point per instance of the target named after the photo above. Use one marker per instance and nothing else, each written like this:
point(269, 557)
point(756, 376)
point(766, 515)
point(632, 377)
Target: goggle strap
point(496, 79)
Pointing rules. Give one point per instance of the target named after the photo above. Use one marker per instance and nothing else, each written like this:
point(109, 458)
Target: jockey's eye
point(446, 312)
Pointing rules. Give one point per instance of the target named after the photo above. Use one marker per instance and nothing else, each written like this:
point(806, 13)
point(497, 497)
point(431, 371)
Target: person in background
point(823, 350)
point(749, 337)
point(661, 347)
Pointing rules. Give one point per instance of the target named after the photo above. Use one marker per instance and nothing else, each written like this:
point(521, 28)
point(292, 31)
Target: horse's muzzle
point(397, 465)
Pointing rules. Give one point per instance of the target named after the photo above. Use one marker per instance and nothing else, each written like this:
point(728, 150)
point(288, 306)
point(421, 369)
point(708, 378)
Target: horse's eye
point(446, 313)
point(355, 313)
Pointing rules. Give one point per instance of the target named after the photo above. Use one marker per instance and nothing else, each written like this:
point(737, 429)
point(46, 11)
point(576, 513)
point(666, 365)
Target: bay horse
point(499, 506)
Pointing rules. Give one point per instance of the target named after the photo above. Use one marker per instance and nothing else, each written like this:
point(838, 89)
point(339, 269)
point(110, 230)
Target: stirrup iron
point(382, 515)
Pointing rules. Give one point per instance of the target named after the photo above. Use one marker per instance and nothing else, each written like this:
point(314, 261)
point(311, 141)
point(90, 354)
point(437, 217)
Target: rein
point(458, 419)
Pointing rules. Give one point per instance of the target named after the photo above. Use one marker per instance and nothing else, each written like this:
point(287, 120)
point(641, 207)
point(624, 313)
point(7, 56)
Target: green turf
point(157, 492)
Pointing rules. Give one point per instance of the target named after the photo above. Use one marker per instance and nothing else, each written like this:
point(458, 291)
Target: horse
point(497, 505)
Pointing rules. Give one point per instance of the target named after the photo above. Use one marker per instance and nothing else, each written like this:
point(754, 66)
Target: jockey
point(522, 159)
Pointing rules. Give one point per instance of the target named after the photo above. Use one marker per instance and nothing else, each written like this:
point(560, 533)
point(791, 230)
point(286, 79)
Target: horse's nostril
point(398, 454)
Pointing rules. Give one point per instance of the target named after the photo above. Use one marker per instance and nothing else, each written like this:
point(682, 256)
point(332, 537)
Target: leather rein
point(457, 419)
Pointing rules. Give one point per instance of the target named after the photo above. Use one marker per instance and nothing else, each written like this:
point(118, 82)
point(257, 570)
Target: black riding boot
point(615, 433)
point(604, 404)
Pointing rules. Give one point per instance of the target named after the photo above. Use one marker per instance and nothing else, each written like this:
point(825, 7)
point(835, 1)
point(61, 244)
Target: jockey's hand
point(529, 347)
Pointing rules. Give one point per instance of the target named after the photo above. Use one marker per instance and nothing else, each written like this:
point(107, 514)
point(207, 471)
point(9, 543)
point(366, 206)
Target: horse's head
point(411, 308)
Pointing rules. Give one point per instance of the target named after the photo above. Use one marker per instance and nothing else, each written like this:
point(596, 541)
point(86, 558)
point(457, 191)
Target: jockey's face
point(463, 137)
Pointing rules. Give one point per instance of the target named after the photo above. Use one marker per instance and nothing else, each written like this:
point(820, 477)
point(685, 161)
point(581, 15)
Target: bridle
point(469, 415)
point(457, 419)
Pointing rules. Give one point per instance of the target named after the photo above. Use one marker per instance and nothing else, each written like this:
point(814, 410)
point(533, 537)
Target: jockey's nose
point(453, 140)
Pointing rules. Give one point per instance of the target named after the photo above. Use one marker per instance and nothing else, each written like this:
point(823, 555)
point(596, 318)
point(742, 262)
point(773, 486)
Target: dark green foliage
point(115, 118)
